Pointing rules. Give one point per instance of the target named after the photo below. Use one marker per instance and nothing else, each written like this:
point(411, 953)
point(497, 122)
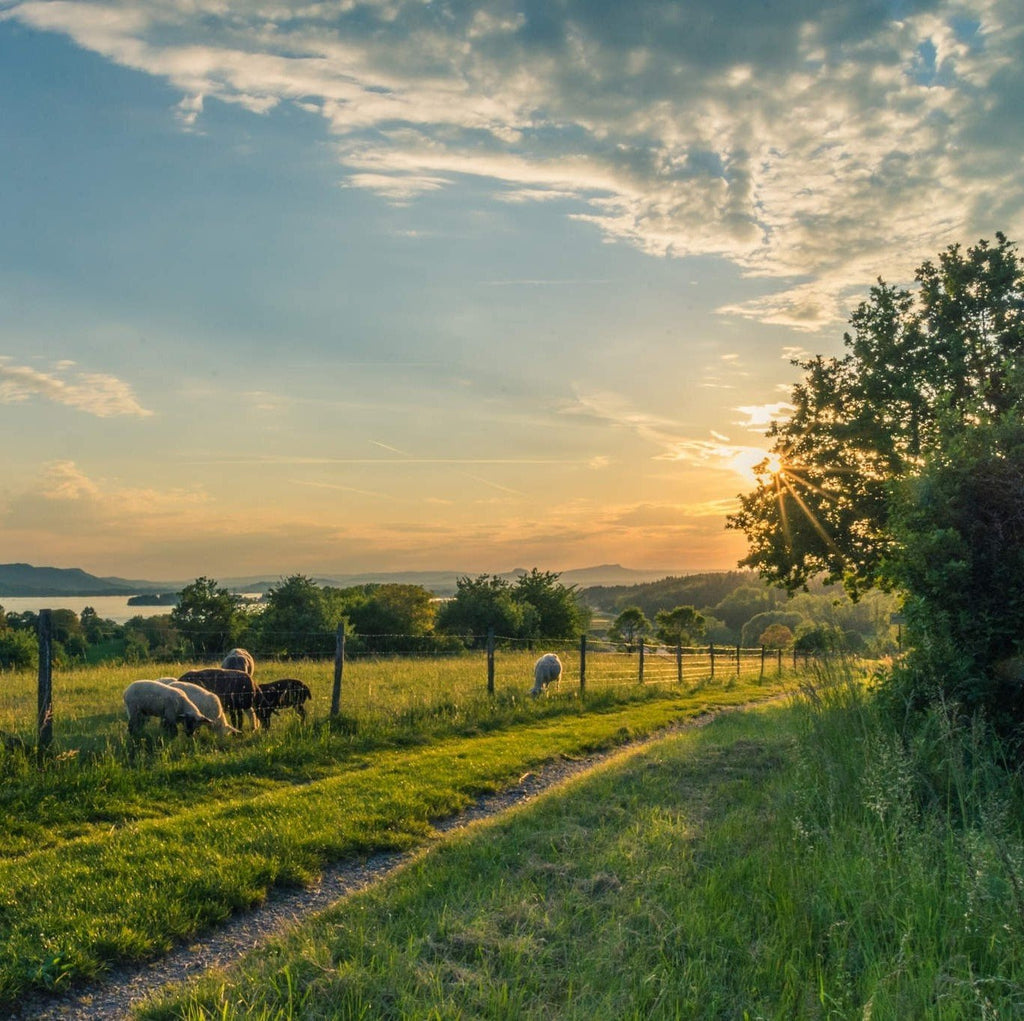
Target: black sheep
point(273, 696)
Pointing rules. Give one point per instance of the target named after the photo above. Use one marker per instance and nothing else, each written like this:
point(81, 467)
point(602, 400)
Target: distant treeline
point(300, 618)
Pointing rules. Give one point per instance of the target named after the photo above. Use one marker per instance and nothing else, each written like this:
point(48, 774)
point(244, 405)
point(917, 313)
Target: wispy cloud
point(95, 393)
point(672, 440)
point(804, 146)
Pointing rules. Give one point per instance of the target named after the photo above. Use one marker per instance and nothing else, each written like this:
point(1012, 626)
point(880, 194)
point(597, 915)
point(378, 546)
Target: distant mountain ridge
point(25, 580)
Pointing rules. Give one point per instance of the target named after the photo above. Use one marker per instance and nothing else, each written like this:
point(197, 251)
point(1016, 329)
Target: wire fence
point(414, 675)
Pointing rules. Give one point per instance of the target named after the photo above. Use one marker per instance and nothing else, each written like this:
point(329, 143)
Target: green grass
point(801, 862)
point(115, 849)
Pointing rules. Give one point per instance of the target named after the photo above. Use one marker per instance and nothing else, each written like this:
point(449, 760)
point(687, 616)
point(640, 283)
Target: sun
point(774, 464)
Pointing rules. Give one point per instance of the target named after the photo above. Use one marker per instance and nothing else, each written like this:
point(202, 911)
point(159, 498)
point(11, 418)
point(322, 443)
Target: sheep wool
point(206, 702)
point(154, 698)
point(546, 670)
point(239, 659)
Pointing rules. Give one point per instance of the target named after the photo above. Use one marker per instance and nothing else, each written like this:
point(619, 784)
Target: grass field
point(89, 713)
point(115, 849)
point(797, 862)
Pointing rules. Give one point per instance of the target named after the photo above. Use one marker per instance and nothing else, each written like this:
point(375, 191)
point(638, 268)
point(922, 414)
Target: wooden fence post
point(737, 659)
point(339, 668)
point(780, 662)
point(762, 662)
point(679, 662)
point(583, 663)
point(44, 716)
point(641, 665)
point(711, 653)
point(490, 661)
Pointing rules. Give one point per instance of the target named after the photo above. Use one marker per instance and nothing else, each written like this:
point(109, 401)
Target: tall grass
point(813, 861)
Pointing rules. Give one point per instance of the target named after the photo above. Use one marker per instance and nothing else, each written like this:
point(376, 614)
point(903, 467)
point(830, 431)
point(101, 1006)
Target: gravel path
point(113, 997)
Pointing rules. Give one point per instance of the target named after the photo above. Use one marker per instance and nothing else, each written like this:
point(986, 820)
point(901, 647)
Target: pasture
point(376, 691)
point(117, 848)
point(793, 863)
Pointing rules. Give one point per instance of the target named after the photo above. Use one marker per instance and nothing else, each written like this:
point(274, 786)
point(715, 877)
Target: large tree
point(921, 367)
point(299, 618)
point(208, 616)
point(558, 612)
point(902, 465)
point(479, 604)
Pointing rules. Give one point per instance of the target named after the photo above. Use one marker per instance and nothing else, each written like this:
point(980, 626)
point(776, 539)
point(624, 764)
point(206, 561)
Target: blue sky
point(395, 285)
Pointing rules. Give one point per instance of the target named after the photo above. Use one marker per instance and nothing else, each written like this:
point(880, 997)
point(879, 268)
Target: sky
point(396, 285)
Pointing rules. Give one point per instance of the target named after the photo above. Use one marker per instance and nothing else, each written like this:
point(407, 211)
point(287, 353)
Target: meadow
point(802, 860)
point(115, 849)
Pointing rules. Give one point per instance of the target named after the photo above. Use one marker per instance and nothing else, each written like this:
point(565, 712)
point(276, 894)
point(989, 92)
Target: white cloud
point(95, 393)
point(758, 417)
point(815, 150)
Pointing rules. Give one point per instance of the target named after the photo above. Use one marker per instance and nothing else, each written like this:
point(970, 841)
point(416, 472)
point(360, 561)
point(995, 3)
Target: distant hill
point(26, 580)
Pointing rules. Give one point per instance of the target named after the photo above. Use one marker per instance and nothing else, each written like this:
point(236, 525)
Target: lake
point(113, 608)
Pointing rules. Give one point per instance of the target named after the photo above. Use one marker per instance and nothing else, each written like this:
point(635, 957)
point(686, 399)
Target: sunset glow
point(333, 287)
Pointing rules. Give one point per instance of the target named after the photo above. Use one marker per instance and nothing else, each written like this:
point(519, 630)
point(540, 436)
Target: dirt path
point(113, 998)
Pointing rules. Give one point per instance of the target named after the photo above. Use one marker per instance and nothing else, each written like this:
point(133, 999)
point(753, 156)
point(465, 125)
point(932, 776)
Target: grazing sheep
point(171, 706)
point(546, 670)
point(239, 659)
point(274, 696)
point(206, 702)
point(235, 688)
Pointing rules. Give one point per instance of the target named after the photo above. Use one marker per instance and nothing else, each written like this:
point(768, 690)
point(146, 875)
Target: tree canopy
point(208, 617)
point(901, 465)
point(536, 606)
point(921, 367)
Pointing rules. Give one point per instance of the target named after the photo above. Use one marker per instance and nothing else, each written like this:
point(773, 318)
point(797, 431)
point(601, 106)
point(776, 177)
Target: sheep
point(239, 659)
point(206, 702)
point(273, 696)
point(235, 688)
point(154, 698)
point(546, 670)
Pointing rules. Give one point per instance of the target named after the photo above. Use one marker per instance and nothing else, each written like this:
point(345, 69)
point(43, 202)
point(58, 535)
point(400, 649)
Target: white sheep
point(171, 706)
point(206, 702)
point(239, 659)
point(546, 670)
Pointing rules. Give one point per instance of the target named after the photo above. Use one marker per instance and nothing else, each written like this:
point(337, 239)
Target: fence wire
point(409, 677)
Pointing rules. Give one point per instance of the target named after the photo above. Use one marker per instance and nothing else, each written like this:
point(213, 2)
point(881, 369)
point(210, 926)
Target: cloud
point(758, 417)
point(672, 441)
point(65, 500)
point(95, 393)
point(807, 144)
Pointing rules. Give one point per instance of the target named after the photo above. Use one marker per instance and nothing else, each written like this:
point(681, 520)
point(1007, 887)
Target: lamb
point(235, 688)
point(206, 702)
point(154, 698)
point(276, 695)
point(239, 659)
point(546, 670)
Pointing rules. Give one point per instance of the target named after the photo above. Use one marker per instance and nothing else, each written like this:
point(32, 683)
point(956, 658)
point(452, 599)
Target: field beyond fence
point(81, 707)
